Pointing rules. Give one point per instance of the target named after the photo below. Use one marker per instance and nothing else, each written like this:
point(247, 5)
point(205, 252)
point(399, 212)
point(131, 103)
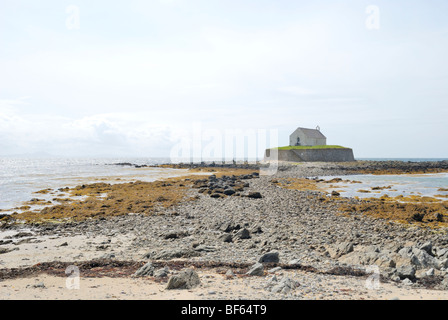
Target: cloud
point(100, 134)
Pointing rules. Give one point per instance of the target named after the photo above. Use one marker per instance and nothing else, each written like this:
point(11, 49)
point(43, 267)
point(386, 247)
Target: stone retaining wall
point(310, 155)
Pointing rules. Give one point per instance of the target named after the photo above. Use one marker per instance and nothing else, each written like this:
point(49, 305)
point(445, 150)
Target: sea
point(21, 177)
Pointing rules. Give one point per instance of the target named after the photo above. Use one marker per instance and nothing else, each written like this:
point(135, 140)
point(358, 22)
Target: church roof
point(312, 133)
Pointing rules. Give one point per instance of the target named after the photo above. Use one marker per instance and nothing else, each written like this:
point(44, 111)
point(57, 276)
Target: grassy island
point(309, 147)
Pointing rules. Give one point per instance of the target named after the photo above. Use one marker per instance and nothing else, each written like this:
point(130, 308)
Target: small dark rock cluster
point(227, 186)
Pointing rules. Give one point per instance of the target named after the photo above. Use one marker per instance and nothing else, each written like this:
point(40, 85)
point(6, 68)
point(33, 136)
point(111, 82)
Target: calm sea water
point(395, 185)
point(20, 178)
point(404, 159)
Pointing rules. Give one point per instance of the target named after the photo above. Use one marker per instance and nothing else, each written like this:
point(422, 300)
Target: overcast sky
point(130, 78)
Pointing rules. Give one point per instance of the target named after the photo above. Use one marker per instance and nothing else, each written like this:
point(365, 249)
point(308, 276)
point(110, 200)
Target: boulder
point(226, 237)
point(270, 257)
point(406, 272)
point(242, 234)
point(285, 286)
point(255, 195)
point(161, 273)
point(186, 279)
point(146, 270)
point(256, 270)
point(420, 258)
point(338, 250)
point(229, 192)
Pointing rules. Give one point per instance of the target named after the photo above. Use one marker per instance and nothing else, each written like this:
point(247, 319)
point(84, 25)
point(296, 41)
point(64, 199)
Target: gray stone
point(146, 270)
point(175, 253)
point(406, 272)
point(229, 192)
point(338, 250)
point(175, 234)
point(444, 284)
point(161, 273)
point(427, 246)
point(274, 270)
point(205, 248)
point(186, 279)
point(255, 195)
point(39, 285)
point(108, 256)
point(286, 285)
point(430, 272)
point(230, 273)
point(226, 237)
point(256, 270)
point(294, 262)
point(270, 257)
point(242, 234)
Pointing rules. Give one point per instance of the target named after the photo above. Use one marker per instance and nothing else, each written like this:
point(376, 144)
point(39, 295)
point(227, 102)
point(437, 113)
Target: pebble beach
point(230, 234)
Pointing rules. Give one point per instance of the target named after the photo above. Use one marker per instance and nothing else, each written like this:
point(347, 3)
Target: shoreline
point(235, 230)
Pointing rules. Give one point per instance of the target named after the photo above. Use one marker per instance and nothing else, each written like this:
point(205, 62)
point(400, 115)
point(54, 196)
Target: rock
point(270, 257)
point(421, 259)
point(407, 282)
point(370, 255)
point(229, 192)
point(286, 285)
point(274, 270)
point(255, 195)
point(242, 234)
point(39, 285)
point(186, 279)
point(430, 272)
point(406, 272)
point(256, 270)
point(444, 284)
point(216, 195)
point(427, 247)
point(335, 194)
point(108, 256)
point(5, 250)
point(338, 250)
point(168, 254)
point(228, 227)
point(294, 262)
point(175, 234)
point(230, 273)
point(146, 270)
point(272, 281)
point(161, 273)
point(205, 248)
point(256, 229)
point(226, 237)
point(441, 253)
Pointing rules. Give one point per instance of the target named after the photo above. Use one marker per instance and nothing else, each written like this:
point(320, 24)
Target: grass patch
point(310, 147)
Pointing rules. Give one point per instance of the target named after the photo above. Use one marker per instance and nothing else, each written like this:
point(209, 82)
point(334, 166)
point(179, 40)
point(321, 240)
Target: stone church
point(307, 137)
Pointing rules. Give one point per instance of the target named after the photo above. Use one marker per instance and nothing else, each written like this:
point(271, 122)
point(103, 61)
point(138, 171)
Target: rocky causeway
point(237, 235)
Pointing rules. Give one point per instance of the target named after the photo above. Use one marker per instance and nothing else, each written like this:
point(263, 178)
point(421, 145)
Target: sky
point(85, 78)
